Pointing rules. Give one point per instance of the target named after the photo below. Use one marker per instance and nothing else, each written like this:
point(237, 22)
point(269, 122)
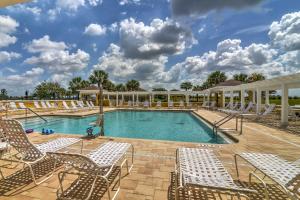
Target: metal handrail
point(221, 122)
point(35, 114)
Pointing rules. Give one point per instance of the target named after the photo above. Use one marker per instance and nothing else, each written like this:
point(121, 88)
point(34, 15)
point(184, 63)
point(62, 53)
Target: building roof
point(230, 83)
point(91, 87)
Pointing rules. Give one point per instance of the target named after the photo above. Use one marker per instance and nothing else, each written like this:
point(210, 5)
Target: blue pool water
point(156, 125)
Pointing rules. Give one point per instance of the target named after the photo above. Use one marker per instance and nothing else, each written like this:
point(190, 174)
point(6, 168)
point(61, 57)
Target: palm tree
point(99, 77)
point(256, 77)
point(216, 77)
point(159, 89)
point(186, 85)
point(120, 87)
point(240, 77)
point(74, 85)
point(133, 85)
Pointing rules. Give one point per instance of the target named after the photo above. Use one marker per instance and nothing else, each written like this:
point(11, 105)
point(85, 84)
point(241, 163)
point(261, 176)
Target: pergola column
point(117, 99)
point(208, 97)
point(267, 97)
point(284, 105)
point(137, 97)
point(168, 98)
point(231, 97)
point(242, 97)
point(253, 96)
point(132, 98)
point(187, 98)
point(122, 98)
point(150, 100)
point(223, 99)
point(258, 100)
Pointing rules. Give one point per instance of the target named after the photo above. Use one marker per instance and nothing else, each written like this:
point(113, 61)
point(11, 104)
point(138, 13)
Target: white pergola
point(150, 94)
point(282, 83)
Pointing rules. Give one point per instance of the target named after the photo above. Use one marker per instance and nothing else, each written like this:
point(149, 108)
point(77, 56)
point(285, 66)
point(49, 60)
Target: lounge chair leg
point(236, 166)
point(264, 184)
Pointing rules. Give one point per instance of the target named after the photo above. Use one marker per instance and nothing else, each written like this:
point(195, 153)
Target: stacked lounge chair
point(170, 104)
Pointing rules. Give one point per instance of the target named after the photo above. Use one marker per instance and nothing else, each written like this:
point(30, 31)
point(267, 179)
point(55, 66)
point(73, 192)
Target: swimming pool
point(155, 125)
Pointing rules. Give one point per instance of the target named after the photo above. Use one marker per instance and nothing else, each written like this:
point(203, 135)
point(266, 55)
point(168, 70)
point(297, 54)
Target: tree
point(197, 88)
point(76, 84)
point(256, 77)
point(241, 77)
point(26, 94)
point(159, 89)
point(120, 87)
point(215, 78)
point(99, 77)
point(186, 85)
point(3, 94)
point(110, 86)
point(47, 90)
point(133, 85)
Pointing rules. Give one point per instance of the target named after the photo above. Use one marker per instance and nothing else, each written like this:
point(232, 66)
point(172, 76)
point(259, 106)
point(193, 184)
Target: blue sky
point(158, 42)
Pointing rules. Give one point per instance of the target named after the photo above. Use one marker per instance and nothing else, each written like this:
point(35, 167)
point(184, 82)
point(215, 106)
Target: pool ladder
point(218, 124)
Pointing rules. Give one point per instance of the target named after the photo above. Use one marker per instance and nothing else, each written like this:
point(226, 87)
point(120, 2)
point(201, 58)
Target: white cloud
point(254, 29)
point(95, 2)
point(113, 27)
point(7, 26)
point(95, 30)
point(124, 2)
point(94, 46)
point(55, 57)
point(45, 44)
point(34, 72)
point(8, 56)
point(159, 38)
point(285, 33)
point(71, 5)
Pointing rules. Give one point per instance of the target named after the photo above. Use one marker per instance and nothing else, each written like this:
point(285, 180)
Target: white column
point(242, 97)
point(208, 97)
point(150, 100)
point(267, 97)
point(168, 98)
point(187, 98)
point(253, 96)
point(231, 97)
point(117, 99)
point(137, 97)
point(258, 100)
point(122, 98)
point(223, 100)
point(132, 98)
point(284, 105)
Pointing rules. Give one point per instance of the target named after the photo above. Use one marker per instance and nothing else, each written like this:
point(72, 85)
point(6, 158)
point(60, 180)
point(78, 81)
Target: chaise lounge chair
point(286, 174)
point(30, 154)
point(200, 169)
point(99, 165)
point(158, 104)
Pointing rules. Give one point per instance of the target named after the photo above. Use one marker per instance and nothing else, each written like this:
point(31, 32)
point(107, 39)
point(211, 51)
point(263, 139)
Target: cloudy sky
point(158, 42)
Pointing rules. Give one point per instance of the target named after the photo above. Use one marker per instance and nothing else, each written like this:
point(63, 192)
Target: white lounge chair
point(158, 104)
point(30, 154)
point(201, 169)
point(22, 105)
point(181, 104)
point(98, 165)
point(37, 105)
point(66, 107)
point(267, 111)
point(146, 104)
point(13, 106)
point(48, 104)
point(137, 103)
point(92, 104)
point(170, 104)
point(44, 106)
point(284, 173)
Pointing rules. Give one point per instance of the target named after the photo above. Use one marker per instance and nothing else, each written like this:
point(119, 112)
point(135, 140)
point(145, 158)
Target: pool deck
point(154, 160)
